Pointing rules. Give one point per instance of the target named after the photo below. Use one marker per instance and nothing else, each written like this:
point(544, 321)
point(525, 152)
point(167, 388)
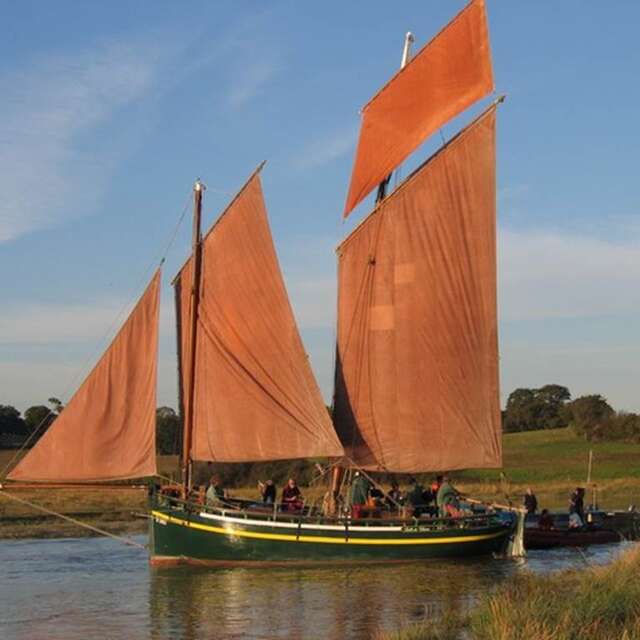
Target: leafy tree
point(542, 408)
point(38, 418)
point(168, 431)
point(11, 421)
point(590, 415)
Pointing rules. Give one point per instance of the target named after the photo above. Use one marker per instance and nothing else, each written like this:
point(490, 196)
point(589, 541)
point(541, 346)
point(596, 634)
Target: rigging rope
point(102, 532)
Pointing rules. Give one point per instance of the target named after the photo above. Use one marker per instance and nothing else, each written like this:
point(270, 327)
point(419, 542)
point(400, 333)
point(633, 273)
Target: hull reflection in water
point(332, 603)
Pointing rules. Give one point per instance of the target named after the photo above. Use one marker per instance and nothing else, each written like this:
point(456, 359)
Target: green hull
point(238, 538)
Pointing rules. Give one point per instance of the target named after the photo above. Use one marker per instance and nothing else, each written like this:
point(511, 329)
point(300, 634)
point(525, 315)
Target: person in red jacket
point(291, 497)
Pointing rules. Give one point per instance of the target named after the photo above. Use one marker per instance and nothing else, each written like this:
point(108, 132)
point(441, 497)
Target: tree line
point(551, 407)
point(527, 409)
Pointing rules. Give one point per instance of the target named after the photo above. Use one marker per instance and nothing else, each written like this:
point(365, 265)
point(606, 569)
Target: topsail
point(446, 77)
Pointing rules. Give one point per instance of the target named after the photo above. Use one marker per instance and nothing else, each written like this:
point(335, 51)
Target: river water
point(75, 589)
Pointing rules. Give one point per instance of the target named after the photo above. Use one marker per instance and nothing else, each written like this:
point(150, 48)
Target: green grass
point(560, 455)
point(600, 603)
point(552, 462)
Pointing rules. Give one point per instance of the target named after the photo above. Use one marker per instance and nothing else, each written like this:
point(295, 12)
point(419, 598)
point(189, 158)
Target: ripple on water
point(74, 589)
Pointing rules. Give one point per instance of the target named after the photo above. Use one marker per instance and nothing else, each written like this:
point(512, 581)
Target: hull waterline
point(178, 536)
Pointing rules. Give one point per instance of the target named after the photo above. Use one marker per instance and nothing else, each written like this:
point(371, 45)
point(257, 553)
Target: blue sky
point(109, 111)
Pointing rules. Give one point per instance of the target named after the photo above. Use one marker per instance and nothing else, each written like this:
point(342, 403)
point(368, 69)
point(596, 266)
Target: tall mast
point(406, 52)
point(198, 188)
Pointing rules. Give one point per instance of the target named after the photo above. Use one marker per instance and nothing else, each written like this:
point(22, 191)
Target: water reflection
point(76, 589)
point(332, 603)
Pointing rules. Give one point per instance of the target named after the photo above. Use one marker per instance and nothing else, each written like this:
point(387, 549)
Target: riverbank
point(599, 602)
point(552, 462)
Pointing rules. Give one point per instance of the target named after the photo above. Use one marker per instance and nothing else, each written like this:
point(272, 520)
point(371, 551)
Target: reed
point(600, 602)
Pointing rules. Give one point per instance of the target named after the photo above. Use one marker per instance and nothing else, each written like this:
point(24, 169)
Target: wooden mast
point(338, 477)
point(187, 435)
point(406, 52)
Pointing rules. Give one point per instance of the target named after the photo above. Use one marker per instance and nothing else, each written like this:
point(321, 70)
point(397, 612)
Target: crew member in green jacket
point(358, 493)
point(447, 499)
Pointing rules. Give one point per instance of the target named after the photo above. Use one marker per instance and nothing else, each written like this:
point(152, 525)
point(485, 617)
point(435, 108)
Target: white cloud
point(326, 149)
point(45, 174)
point(64, 323)
point(250, 77)
point(545, 274)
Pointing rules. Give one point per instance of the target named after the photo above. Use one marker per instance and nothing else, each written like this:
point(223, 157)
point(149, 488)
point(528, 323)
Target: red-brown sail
point(255, 395)
point(107, 430)
point(446, 77)
point(417, 366)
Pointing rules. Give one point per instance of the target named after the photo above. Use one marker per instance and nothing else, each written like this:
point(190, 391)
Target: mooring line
point(37, 507)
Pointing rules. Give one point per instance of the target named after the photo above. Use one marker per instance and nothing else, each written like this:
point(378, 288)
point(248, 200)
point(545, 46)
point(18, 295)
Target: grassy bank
point(552, 462)
point(111, 509)
point(602, 603)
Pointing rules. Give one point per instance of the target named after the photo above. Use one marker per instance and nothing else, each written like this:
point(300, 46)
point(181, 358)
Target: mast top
point(198, 185)
point(408, 41)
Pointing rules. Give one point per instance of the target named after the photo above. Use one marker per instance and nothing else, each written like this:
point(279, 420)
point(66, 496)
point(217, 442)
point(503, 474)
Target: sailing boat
point(416, 372)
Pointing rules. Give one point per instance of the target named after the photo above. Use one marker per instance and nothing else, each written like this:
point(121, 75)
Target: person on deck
point(415, 497)
point(576, 503)
point(545, 521)
point(291, 497)
point(447, 500)
point(358, 494)
point(530, 502)
point(267, 491)
point(215, 494)
point(394, 498)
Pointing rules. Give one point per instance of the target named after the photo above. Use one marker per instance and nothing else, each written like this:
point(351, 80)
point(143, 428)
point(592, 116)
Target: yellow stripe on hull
point(323, 539)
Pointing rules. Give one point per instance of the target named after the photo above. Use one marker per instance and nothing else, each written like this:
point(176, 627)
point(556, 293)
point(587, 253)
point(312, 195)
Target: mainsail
point(255, 395)
point(446, 77)
point(107, 430)
point(417, 361)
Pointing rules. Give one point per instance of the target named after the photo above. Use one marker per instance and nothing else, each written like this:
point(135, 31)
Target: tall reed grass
point(599, 603)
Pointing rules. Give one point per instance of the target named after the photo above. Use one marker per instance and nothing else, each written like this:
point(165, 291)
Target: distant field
point(559, 455)
point(552, 462)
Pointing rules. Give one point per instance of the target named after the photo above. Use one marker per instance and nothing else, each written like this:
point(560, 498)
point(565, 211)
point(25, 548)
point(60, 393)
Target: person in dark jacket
point(530, 501)
point(267, 491)
point(576, 502)
point(415, 497)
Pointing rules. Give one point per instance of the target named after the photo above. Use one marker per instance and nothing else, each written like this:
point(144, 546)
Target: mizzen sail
point(255, 395)
point(107, 430)
point(417, 362)
point(446, 77)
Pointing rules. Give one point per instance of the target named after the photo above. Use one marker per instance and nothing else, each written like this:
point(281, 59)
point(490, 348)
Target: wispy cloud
point(545, 274)
point(46, 174)
point(327, 148)
point(63, 323)
point(250, 77)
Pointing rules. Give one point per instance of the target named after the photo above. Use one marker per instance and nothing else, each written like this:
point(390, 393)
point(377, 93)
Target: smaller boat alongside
point(535, 538)
point(601, 528)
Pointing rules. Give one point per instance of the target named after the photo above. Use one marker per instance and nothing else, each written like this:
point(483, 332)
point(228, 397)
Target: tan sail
point(446, 77)
point(107, 430)
point(417, 366)
point(255, 395)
